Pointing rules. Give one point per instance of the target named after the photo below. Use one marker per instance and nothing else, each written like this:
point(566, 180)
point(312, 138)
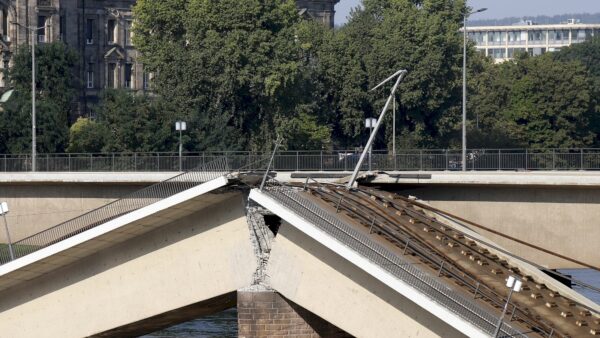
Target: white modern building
point(503, 42)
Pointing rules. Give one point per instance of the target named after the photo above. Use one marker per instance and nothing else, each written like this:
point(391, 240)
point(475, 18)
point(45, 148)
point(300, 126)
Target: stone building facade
point(101, 31)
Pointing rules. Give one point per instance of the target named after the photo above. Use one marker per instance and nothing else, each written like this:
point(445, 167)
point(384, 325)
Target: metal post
point(499, 159)
point(476, 290)
point(10, 248)
point(33, 132)
point(526, 159)
point(394, 130)
point(464, 103)
point(370, 149)
point(421, 160)
point(180, 150)
point(581, 158)
point(337, 208)
point(553, 159)
point(262, 184)
point(499, 325)
point(406, 247)
point(400, 74)
point(297, 161)
point(446, 159)
point(321, 160)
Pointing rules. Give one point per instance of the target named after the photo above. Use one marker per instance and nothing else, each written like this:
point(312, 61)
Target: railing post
point(69, 162)
point(47, 162)
point(499, 159)
point(553, 159)
point(446, 159)
point(4, 163)
point(297, 161)
point(421, 160)
point(321, 160)
point(91, 164)
point(112, 165)
point(157, 161)
point(581, 158)
point(395, 161)
point(526, 159)
point(134, 161)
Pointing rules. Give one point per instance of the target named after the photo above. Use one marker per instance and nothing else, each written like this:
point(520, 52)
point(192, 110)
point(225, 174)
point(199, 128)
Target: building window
point(41, 32)
point(90, 76)
point(498, 53)
point(5, 24)
point(112, 76)
point(89, 31)
point(128, 33)
point(146, 80)
point(477, 37)
point(63, 28)
point(496, 38)
point(514, 37)
point(128, 75)
point(110, 33)
point(537, 36)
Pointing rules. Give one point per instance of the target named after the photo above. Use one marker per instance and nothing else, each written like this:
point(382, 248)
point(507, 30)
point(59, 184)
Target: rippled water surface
point(224, 324)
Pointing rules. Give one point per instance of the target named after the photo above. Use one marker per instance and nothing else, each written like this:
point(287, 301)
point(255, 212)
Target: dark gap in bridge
point(273, 222)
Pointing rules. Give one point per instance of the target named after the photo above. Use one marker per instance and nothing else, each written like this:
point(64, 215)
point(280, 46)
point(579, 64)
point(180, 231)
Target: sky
point(498, 9)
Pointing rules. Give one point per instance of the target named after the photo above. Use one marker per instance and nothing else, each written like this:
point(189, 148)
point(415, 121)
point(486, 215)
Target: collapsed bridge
point(338, 262)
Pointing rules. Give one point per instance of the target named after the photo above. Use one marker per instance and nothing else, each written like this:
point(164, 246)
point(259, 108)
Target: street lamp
point(370, 123)
point(3, 212)
point(399, 76)
point(464, 107)
point(515, 286)
point(32, 30)
point(180, 126)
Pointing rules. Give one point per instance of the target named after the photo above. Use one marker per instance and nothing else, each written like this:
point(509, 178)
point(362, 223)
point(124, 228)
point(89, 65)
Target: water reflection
point(223, 324)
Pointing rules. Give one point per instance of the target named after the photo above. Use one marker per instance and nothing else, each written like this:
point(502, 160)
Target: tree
point(535, 102)
point(384, 36)
point(56, 92)
point(87, 136)
point(134, 123)
point(235, 69)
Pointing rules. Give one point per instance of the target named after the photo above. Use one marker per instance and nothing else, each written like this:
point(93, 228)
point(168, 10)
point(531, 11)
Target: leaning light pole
point(464, 98)
point(399, 75)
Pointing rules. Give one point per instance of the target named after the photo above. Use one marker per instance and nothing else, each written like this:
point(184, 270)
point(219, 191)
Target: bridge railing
point(401, 268)
point(331, 160)
point(136, 200)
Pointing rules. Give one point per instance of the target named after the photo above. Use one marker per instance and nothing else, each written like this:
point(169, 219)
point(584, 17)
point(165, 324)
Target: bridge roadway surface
point(393, 267)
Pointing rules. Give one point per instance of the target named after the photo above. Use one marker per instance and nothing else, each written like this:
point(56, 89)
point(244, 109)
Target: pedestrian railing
point(211, 170)
point(339, 160)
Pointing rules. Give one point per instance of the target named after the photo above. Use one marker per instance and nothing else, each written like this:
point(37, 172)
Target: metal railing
point(391, 262)
point(129, 203)
point(339, 160)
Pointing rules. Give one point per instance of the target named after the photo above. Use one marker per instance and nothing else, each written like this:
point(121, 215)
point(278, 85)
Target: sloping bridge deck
point(117, 230)
point(469, 269)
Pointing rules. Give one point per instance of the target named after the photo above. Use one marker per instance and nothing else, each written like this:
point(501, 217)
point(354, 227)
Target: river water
point(224, 324)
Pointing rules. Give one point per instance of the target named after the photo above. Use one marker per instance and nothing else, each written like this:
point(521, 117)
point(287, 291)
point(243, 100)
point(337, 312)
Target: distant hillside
point(543, 19)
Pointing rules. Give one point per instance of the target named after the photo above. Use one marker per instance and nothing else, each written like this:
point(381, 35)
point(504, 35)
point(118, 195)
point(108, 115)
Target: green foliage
point(134, 123)
point(533, 102)
point(56, 91)
point(387, 35)
point(231, 67)
point(86, 135)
